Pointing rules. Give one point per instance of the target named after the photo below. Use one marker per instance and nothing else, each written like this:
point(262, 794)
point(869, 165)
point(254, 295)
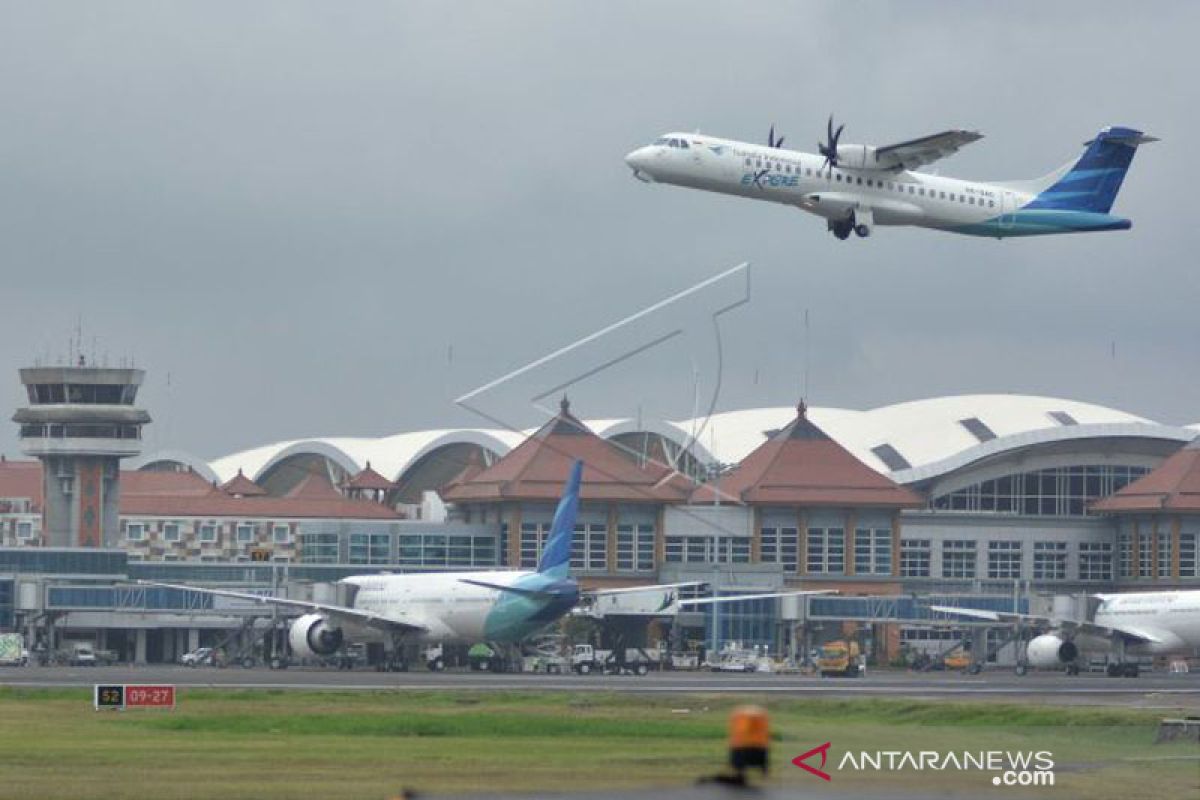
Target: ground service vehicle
point(201, 655)
point(840, 658)
point(81, 654)
point(585, 660)
point(12, 650)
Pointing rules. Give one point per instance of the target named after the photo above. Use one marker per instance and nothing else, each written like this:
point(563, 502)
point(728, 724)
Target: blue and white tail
point(1092, 182)
point(556, 556)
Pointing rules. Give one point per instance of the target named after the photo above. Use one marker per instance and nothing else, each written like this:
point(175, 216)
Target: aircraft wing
point(633, 589)
point(925, 150)
point(346, 614)
point(1075, 626)
point(707, 601)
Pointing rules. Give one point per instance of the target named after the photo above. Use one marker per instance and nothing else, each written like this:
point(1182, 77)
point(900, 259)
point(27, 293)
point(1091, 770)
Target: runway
point(1149, 690)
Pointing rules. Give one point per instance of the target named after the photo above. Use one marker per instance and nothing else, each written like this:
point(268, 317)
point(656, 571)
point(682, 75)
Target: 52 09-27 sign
point(120, 696)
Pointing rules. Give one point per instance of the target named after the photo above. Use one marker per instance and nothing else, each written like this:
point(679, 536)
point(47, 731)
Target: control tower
point(80, 423)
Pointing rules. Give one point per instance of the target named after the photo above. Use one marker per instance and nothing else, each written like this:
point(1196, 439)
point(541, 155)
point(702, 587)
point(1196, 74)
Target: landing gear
point(1072, 669)
point(863, 231)
point(841, 228)
point(1021, 670)
point(437, 665)
point(1123, 670)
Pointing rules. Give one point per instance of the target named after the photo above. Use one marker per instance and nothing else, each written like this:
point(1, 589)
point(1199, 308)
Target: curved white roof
point(390, 456)
point(928, 434)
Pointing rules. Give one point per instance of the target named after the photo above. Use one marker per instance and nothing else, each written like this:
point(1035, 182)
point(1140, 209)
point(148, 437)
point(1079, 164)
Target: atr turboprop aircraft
point(856, 187)
point(497, 606)
point(1135, 623)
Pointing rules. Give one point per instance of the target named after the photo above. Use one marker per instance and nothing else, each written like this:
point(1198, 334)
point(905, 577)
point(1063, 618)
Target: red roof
point(1174, 486)
point(369, 479)
point(186, 494)
point(240, 484)
point(801, 466)
point(537, 470)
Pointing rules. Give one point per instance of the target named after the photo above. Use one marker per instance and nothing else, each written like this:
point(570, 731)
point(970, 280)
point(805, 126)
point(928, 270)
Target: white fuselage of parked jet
point(1169, 620)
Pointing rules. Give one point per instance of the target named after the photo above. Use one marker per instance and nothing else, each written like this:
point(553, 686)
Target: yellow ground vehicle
point(840, 658)
point(958, 659)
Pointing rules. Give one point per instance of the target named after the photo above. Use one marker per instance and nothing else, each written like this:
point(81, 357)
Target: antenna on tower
point(804, 387)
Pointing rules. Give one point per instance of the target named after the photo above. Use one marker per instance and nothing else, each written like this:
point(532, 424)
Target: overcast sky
point(334, 218)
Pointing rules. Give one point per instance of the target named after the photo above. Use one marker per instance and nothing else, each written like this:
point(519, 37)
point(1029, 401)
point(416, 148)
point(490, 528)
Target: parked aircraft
point(497, 606)
point(856, 187)
point(1137, 623)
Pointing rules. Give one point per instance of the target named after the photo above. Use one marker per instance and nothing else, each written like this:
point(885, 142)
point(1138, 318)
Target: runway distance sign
point(134, 695)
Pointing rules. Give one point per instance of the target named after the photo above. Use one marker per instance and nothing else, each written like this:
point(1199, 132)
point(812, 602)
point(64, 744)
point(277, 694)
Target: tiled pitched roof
point(800, 465)
point(1174, 486)
point(186, 494)
point(369, 479)
point(537, 469)
point(241, 485)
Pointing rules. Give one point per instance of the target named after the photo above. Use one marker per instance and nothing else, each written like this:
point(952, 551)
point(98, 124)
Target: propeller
point(772, 141)
point(829, 150)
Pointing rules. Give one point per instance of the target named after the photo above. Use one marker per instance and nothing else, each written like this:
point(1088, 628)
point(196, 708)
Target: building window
point(958, 558)
point(1049, 561)
point(1004, 559)
point(281, 534)
point(589, 547)
point(24, 530)
point(319, 548)
point(135, 532)
point(1095, 561)
point(1125, 549)
point(873, 551)
point(245, 533)
point(1187, 554)
point(208, 533)
point(826, 551)
point(503, 544)
point(368, 548)
point(635, 548)
point(915, 557)
point(781, 546)
point(1164, 554)
point(533, 540)
point(1145, 555)
point(170, 532)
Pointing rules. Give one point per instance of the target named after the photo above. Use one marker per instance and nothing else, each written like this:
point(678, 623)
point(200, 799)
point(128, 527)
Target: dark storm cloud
point(335, 218)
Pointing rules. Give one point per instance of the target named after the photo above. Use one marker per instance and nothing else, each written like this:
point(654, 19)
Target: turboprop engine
point(1050, 650)
point(312, 635)
point(856, 156)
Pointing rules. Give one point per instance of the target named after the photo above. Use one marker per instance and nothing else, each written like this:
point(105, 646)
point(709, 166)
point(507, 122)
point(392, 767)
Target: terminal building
point(1004, 500)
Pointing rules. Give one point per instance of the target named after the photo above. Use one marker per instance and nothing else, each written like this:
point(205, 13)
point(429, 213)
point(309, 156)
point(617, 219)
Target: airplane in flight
point(497, 606)
point(1136, 623)
point(856, 187)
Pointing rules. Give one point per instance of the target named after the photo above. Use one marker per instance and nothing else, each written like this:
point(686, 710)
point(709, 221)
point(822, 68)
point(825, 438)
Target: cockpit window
point(661, 140)
point(683, 143)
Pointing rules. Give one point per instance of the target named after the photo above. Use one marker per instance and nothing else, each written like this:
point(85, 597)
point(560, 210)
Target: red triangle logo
point(820, 773)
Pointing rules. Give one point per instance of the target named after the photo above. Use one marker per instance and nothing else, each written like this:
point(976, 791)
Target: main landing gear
point(858, 223)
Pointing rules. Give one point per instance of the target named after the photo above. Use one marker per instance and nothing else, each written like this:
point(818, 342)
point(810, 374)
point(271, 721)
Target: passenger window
point(912, 190)
point(860, 181)
point(749, 162)
point(810, 172)
point(972, 201)
point(921, 191)
point(839, 176)
point(991, 203)
point(941, 195)
point(683, 143)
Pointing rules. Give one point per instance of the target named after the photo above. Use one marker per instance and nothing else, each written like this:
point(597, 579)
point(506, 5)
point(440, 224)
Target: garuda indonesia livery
point(497, 606)
point(856, 187)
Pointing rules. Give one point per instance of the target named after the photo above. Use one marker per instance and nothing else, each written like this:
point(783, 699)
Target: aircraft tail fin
point(556, 556)
point(1091, 183)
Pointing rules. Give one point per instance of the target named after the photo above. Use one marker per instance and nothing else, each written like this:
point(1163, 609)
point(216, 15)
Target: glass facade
point(451, 551)
point(6, 605)
point(1187, 554)
point(370, 548)
point(1058, 491)
point(589, 547)
point(63, 561)
point(707, 550)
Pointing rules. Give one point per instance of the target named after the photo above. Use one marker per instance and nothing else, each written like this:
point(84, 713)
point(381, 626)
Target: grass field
point(286, 744)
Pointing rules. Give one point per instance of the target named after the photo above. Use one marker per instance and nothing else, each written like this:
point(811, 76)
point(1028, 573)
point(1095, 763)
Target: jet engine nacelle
point(1049, 650)
point(312, 635)
point(856, 156)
